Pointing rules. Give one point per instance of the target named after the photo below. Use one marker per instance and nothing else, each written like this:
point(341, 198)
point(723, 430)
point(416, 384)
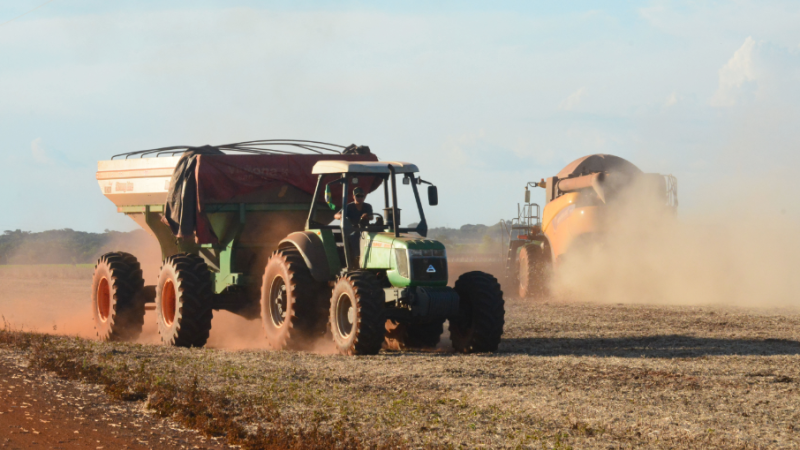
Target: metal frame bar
point(258, 147)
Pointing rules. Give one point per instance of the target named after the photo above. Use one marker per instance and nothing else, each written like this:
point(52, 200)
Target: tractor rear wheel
point(532, 269)
point(293, 306)
point(481, 316)
point(117, 311)
point(183, 301)
point(357, 316)
point(404, 336)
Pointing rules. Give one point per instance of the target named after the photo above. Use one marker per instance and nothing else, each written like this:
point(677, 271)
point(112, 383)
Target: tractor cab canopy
point(375, 173)
point(365, 167)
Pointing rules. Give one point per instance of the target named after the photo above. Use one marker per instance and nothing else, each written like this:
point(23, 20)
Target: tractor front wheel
point(481, 316)
point(118, 313)
point(293, 305)
point(183, 301)
point(357, 316)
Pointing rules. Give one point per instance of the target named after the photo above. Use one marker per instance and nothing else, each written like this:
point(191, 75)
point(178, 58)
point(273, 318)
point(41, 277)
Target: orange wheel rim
point(103, 299)
point(168, 302)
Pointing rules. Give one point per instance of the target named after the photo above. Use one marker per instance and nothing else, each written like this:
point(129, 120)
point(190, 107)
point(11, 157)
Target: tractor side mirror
point(329, 197)
point(433, 196)
point(527, 195)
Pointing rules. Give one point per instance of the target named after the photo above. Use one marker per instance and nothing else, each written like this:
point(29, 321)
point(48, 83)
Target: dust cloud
point(56, 299)
point(737, 252)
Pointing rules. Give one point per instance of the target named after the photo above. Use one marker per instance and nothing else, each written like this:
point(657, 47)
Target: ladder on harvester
point(518, 231)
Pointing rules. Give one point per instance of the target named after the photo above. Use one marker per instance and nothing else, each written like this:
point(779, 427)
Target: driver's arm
point(341, 212)
point(367, 211)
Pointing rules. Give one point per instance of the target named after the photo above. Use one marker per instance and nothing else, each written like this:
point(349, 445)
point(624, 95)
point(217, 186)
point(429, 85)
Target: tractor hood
point(414, 261)
point(415, 243)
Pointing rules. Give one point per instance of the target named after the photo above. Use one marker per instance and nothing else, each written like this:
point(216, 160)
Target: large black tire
point(532, 272)
point(404, 336)
point(184, 300)
point(357, 314)
point(118, 311)
point(481, 316)
point(294, 307)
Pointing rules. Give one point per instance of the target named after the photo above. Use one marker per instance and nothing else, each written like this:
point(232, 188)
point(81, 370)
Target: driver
point(358, 210)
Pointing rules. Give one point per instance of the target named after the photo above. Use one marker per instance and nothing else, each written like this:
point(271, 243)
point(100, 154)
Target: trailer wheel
point(481, 316)
point(532, 270)
point(183, 301)
point(404, 336)
point(117, 311)
point(357, 316)
point(293, 305)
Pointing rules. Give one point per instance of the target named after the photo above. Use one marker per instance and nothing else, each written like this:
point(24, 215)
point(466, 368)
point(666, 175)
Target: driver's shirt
point(354, 215)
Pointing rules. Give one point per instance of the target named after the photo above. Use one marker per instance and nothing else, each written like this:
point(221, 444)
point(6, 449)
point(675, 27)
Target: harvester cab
point(384, 284)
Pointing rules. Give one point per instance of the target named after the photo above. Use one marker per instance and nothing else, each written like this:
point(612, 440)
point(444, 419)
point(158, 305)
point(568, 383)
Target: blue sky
point(483, 96)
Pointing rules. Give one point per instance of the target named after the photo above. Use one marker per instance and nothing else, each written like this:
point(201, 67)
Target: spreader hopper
point(220, 210)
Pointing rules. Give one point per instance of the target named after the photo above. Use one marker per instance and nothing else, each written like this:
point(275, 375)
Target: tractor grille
point(429, 269)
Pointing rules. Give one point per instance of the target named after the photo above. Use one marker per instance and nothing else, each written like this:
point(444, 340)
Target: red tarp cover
point(241, 178)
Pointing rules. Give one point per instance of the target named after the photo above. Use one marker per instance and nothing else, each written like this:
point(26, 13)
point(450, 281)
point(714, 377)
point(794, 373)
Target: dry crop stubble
point(567, 375)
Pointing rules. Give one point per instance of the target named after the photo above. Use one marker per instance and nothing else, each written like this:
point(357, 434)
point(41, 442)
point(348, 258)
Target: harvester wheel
point(532, 271)
point(293, 305)
point(403, 336)
point(183, 301)
point(118, 312)
point(481, 316)
point(357, 316)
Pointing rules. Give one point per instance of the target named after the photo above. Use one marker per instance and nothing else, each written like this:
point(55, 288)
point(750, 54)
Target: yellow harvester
point(580, 205)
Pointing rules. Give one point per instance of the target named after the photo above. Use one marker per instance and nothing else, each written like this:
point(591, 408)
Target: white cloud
point(39, 153)
point(573, 100)
point(455, 145)
point(735, 74)
point(760, 73)
point(671, 100)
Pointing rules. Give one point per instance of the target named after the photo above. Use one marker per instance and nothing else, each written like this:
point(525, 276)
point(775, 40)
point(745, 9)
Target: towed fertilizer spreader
point(217, 213)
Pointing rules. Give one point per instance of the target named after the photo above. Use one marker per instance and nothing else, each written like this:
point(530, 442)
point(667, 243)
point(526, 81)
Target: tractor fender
point(312, 250)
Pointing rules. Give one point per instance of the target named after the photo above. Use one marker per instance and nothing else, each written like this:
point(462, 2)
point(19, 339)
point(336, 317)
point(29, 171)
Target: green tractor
point(374, 285)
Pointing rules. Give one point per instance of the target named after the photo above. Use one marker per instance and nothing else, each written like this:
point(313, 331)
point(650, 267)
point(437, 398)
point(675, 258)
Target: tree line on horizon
point(67, 246)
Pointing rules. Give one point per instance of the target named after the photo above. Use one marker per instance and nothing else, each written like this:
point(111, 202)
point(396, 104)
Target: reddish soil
point(38, 410)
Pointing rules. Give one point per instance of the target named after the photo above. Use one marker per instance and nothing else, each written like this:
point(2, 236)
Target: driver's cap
point(358, 191)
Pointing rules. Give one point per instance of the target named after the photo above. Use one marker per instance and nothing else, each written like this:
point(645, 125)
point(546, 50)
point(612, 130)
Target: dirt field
point(567, 376)
point(39, 410)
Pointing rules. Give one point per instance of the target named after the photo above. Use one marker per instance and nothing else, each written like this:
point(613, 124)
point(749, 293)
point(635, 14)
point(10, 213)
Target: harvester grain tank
point(582, 203)
point(227, 218)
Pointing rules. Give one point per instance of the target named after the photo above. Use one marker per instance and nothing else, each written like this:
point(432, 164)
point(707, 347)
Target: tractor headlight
point(401, 259)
